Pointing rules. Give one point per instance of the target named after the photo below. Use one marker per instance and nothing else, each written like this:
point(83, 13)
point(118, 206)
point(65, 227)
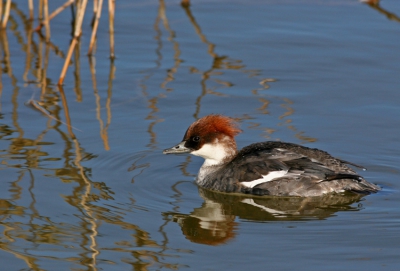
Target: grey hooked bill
point(180, 148)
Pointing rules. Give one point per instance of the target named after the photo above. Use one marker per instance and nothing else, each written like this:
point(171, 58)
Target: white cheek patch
point(213, 153)
point(266, 178)
point(207, 151)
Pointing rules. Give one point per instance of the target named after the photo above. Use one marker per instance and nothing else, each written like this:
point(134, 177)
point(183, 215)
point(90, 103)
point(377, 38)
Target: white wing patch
point(266, 178)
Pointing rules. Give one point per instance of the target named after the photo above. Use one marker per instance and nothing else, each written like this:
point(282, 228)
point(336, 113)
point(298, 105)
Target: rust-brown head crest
point(214, 124)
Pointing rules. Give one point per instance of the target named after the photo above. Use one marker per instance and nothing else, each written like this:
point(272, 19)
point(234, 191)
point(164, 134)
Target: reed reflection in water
point(55, 207)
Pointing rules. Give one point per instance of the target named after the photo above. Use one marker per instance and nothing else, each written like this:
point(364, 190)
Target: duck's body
point(265, 168)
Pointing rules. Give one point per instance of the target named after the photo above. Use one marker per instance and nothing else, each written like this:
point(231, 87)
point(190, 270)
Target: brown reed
point(78, 30)
point(97, 11)
point(53, 14)
point(45, 18)
point(6, 13)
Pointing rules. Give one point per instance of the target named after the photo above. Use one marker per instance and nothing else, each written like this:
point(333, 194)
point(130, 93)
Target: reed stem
point(53, 14)
point(97, 11)
point(46, 19)
point(30, 4)
point(6, 14)
point(111, 12)
point(78, 30)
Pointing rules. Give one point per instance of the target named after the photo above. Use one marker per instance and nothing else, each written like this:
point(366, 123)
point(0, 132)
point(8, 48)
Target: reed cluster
point(79, 8)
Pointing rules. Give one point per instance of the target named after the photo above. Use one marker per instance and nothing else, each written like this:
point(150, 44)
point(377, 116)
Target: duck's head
point(211, 137)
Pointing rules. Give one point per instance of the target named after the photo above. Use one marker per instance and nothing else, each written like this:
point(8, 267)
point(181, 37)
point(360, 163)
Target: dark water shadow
point(215, 221)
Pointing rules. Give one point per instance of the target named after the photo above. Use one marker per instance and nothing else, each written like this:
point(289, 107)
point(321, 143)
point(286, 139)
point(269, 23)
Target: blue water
point(319, 73)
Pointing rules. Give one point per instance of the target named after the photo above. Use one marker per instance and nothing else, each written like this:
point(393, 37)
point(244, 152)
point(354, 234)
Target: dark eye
point(196, 139)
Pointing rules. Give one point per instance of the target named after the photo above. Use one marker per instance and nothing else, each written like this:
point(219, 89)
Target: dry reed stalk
point(54, 13)
point(77, 33)
point(1, 10)
point(67, 60)
point(40, 10)
point(97, 11)
point(46, 19)
point(30, 4)
point(111, 12)
point(96, 7)
point(57, 11)
point(81, 14)
point(6, 14)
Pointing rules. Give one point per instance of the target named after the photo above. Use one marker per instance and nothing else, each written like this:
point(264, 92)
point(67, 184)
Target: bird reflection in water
point(215, 221)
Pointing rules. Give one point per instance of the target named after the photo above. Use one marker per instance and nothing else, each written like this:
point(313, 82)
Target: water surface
point(324, 74)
